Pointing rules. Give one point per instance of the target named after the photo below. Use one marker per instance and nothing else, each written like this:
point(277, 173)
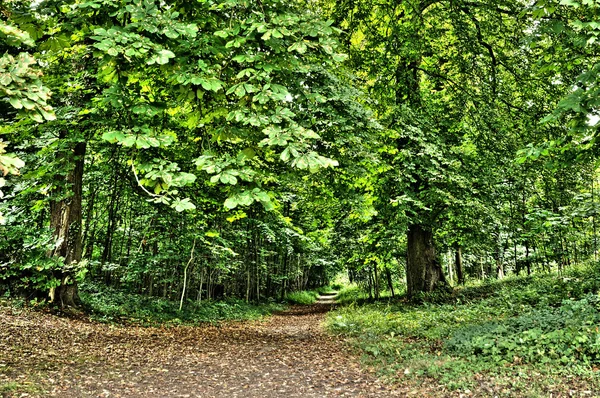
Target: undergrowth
point(354, 294)
point(111, 305)
point(542, 330)
point(307, 297)
point(304, 297)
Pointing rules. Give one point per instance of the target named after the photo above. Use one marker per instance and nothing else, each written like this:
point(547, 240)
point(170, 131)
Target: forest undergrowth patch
point(527, 336)
point(307, 297)
point(304, 297)
point(115, 306)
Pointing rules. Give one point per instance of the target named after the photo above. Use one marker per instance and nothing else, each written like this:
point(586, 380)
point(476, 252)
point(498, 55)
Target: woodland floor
point(287, 355)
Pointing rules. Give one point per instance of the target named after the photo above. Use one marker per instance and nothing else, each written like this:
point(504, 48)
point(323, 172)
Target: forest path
point(288, 355)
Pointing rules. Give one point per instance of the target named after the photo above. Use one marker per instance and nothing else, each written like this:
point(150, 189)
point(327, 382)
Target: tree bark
point(376, 281)
point(185, 271)
point(459, 265)
point(388, 275)
point(66, 223)
point(423, 270)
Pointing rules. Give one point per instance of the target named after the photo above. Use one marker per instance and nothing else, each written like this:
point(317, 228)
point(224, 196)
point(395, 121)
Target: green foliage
point(22, 87)
point(326, 290)
point(518, 325)
point(118, 306)
point(567, 334)
point(356, 294)
point(20, 78)
point(11, 387)
point(31, 269)
point(304, 297)
point(351, 294)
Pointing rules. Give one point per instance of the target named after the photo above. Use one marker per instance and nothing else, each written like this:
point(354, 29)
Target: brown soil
point(288, 355)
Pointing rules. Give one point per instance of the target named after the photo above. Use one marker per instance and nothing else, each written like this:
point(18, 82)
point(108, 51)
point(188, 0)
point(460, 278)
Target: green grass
point(307, 297)
point(326, 290)
point(20, 389)
point(541, 330)
point(354, 294)
point(304, 297)
point(110, 305)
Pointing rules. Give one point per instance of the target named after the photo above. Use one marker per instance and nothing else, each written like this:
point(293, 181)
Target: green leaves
point(299, 47)
point(314, 162)
point(9, 163)
point(246, 198)
point(181, 205)
point(162, 57)
point(20, 81)
point(140, 137)
point(208, 84)
point(14, 36)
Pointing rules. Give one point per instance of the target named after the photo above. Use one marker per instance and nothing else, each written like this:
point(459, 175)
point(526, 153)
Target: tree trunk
point(459, 265)
point(423, 270)
point(112, 221)
point(450, 268)
point(594, 218)
point(66, 222)
point(185, 270)
point(376, 281)
point(388, 275)
point(527, 260)
point(500, 268)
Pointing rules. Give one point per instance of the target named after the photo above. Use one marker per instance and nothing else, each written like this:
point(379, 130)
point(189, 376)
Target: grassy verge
point(354, 294)
point(110, 305)
point(527, 336)
point(304, 297)
point(307, 297)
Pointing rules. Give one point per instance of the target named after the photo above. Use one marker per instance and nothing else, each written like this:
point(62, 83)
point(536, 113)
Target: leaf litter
point(286, 355)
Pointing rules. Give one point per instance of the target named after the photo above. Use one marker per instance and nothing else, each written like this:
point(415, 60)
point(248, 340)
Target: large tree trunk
point(65, 221)
point(423, 270)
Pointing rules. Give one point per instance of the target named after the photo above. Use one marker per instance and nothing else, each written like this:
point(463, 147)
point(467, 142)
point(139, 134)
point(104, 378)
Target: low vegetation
point(304, 297)
point(307, 297)
point(528, 335)
point(112, 305)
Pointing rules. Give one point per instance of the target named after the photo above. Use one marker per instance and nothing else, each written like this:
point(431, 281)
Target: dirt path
point(288, 356)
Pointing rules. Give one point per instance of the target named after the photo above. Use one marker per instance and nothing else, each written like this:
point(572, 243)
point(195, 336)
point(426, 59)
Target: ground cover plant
point(525, 336)
point(122, 307)
point(302, 297)
point(306, 297)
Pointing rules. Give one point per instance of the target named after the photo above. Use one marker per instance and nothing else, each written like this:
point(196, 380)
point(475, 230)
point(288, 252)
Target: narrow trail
point(288, 355)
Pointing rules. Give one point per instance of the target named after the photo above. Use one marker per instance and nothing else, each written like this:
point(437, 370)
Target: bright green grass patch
point(304, 297)
point(352, 294)
point(110, 305)
point(326, 290)
point(307, 297)
point(13, 388)
point(541, 329)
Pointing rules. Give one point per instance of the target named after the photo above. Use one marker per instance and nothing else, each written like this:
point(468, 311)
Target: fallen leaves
point(288, 355)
